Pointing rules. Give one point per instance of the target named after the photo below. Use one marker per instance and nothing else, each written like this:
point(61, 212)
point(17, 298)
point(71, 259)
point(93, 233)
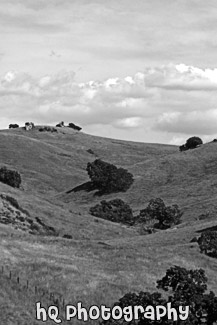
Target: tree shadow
point(213, 228)
point(87, 187)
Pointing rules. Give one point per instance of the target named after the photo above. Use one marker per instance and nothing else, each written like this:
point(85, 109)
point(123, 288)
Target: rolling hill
point(102, 260)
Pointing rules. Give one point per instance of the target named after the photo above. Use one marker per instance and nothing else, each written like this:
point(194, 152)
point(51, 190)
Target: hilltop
point(103, 260)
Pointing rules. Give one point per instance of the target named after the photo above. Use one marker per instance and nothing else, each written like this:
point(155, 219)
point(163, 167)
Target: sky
point(142, 70)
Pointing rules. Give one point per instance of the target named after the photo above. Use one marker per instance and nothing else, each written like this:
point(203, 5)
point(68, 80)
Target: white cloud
point(181, 77)
point(172, 100)
point(129, 122)
point(198, 122)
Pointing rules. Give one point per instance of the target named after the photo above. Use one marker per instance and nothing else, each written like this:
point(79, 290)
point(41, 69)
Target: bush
point(60, 125)
point(67, 236)
point(186, 288)
point(115, 210)
point(75, 127)
point(90, 151)
point(157, 210)
point(47, 129)
point(183, 148)
point(208, 243)
point(13, 126)
point(10, 177)
point(108, 178)
point(29, 126)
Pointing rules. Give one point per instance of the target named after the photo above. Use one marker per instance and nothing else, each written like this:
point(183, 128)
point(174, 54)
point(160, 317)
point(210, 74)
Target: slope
point(103, 260)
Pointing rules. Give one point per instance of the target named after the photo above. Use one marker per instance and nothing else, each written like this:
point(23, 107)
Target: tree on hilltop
point(191, 143)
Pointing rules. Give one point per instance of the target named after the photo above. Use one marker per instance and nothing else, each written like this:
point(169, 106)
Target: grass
point(103, 260)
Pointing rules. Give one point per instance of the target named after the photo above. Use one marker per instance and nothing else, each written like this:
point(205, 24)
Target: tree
point(108, 178)
point(208, 243)
point(193, 142)
point(157, 210)
point(184, 288)
point(188, 282)
point(172, 215)
point(115, 210)
point(10, 177)
point(188, 287)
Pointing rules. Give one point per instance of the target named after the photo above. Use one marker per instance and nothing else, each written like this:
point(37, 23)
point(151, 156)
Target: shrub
point(203, 216)
point(49, 230)
point(183, 148)
point(10, 177)
point(60, 125)
point(90, 151)
point(115, 210)
point(29, 126)
point(108, 178)
point(193, 142)
point(67, 236)
point(75, 127)
point(208, 243)
point(13, 126)
point(47, 129)
point(157, 210)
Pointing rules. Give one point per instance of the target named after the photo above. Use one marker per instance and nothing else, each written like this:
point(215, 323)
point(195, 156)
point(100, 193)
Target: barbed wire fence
point(40, 293)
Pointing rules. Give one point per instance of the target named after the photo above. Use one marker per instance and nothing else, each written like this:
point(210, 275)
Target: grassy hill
point(103, 260)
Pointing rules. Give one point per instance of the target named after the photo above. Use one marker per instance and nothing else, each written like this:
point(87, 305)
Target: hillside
point(103, 260)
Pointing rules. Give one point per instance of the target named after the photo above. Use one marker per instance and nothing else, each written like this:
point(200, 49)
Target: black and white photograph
point(108, 162)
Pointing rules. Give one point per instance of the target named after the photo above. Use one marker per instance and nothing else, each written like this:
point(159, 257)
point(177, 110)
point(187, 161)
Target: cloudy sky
point(142, 70)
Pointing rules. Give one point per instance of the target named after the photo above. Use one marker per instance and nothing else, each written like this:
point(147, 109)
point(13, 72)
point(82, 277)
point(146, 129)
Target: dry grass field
point(103, 260)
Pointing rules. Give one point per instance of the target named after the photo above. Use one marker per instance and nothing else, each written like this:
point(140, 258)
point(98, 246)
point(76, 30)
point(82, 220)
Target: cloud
point(172, 100)
point(129, 122)
point(181, 77)
point(18, 15)
point(194, 122)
